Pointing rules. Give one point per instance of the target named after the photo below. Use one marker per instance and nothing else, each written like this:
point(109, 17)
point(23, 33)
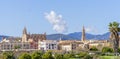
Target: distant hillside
point(58, 36)
point(72, 36)
point(3, 36)
point(77, 36)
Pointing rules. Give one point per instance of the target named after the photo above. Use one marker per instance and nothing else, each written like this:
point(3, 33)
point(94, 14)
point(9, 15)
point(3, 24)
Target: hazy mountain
point(77, 36)
point(72, 36)
point(59, 36)
point(3, 36)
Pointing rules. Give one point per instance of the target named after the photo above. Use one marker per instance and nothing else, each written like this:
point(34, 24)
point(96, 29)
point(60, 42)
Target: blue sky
point(93, 14)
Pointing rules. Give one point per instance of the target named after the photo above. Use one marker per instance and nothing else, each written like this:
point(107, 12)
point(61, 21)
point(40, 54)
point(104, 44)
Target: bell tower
point(24, 30)
point(24, 35)
point(83, 34)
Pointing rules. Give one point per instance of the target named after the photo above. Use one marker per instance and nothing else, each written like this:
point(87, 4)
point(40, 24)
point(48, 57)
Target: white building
point(48, 45)
point(11, 44)
point(68, 45)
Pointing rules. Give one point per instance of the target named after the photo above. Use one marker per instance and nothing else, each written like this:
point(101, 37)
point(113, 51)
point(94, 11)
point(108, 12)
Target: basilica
point(27, 42)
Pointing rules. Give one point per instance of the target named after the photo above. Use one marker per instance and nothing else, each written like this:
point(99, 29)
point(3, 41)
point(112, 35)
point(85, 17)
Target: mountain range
point(73, 36)
point(77, 36)
point(3, 36)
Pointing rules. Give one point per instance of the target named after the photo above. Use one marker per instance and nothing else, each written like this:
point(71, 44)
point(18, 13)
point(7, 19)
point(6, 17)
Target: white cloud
point(58, 23)
point(90, 29)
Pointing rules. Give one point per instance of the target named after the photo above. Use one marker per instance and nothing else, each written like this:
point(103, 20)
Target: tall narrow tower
point(83, 34)
point(24, 30)
point(24, 35)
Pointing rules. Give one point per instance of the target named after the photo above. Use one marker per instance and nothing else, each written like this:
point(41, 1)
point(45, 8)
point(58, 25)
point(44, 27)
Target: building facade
point(68, 45)
point(48, 45)
point(32, 38)
point(7, 45)
point(30, 42)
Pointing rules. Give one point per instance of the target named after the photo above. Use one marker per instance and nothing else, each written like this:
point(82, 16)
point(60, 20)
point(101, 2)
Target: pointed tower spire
point(24, 36)
point(24, 30)
point(83, 34)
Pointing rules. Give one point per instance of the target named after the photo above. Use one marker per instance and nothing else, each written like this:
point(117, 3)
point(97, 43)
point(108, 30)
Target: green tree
point(93, 49)
point(37, 55)
point(67, 56)
point(58, 56)
point(87, 57)
point(114, 29)
point(82, 54)
point(8, 55)
point(118, 50)
point(25, 56)
point(107, 49)
point(47, 55)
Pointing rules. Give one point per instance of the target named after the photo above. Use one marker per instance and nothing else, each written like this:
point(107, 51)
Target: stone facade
point(35, 37)
point(68, 45)
point(32, 38)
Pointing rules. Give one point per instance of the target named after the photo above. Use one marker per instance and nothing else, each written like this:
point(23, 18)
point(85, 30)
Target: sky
point(94, 15)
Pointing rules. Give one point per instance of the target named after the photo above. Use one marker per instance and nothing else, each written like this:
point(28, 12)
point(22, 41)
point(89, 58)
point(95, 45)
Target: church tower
point(83, 34)
point(24, 35)
point(24, 30)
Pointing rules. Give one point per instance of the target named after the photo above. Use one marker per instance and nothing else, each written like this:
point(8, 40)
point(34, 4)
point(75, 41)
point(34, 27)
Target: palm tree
point(114, 29)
